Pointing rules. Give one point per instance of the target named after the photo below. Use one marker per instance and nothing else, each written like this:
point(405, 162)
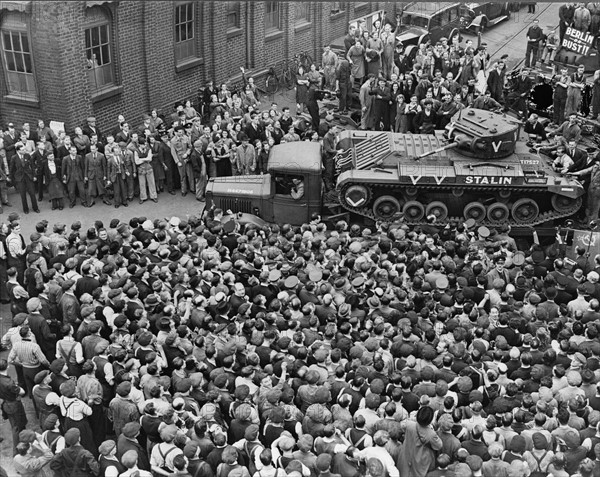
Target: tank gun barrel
point(448, 146)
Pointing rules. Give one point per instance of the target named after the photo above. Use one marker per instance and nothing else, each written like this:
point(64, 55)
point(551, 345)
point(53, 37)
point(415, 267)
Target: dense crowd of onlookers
point(207, 348)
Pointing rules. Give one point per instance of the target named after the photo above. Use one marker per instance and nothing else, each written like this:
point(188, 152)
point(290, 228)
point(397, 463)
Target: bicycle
point(272, 82)
point(304, 59)
point(290, 72)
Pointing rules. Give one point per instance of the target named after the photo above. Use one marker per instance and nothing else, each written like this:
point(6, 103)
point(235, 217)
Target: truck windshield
point(415, 20)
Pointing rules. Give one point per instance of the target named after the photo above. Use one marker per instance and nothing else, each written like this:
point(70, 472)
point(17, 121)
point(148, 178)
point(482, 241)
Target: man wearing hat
point(74, 458)
point(127, 441)
point(245, 162)
point(130, 462)
point(108, 461)
point(45, 400)
point(11, 406)
point(90, 129)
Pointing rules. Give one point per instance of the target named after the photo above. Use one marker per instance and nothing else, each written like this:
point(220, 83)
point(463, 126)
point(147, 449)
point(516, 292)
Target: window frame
point(99, 16)
point(190, 43)
point(270, 29)
point(11, 27)
point(234, 8)
point(340, 10)
point(307, 13)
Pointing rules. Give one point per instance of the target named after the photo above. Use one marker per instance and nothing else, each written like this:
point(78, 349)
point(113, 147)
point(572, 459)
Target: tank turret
point(483, 134)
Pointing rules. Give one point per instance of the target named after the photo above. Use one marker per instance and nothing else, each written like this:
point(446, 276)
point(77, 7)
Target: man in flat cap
point(74, 457)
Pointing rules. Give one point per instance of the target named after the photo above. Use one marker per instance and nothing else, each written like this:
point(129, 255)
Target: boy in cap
point(74, 457)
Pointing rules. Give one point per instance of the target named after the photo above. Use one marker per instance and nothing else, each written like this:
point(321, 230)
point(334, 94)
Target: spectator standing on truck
point(381, 97)
point(356, 58)
point(350, 38)
point(329, 153)
point(343, 84)
point(561, 83)
point(388, 39)
point(574, 90)
point(534, 36)
point(329, 61)
point(366, 103)
point(496, 80)
point(582, 18)
point(565, 13)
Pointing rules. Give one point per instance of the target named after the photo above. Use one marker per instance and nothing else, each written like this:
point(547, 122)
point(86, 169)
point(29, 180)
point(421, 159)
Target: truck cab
point(268, 196)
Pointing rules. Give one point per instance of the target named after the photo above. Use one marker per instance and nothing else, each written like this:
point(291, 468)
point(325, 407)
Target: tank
point(478, 168)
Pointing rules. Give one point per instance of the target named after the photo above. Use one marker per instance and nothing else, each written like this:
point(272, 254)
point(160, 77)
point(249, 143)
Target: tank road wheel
point(357, 196)
point(562, 204)
point(413, 211)
point(411, 192)
point(437, 209)
point(385, 207)
point(498, 212)
point(503, 195)
point(525, 211)
point(475, 211)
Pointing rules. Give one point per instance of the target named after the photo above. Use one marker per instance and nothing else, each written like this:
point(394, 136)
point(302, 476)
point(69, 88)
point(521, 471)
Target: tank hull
point(425, 178)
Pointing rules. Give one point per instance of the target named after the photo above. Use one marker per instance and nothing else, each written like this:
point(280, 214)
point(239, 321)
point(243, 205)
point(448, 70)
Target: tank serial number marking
point(240, 191)
point(488, 180)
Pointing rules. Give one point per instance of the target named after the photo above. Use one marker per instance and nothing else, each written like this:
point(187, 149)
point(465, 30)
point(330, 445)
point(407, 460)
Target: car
point(423, 22)
point(477, 17)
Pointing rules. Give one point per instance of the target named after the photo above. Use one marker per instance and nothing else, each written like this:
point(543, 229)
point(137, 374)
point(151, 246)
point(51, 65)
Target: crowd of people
point(209, 348)
point(203, 347)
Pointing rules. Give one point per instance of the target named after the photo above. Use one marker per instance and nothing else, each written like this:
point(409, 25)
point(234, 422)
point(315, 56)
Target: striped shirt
point(27, 354)
point(14, 242)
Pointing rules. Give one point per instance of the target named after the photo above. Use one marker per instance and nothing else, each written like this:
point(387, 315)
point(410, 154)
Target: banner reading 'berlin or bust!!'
point(577, 41)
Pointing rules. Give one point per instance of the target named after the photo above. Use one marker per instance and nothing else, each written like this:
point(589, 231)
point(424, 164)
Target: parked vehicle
point(423, 22)
point(479, 16)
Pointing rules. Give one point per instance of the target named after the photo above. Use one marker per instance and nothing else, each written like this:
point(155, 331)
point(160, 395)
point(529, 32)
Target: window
point(17, 59)
point(233, 15)
point(337, 7)
point(302, 12)
point(272, 17)
point(185, 35)
point(453, 14)
point(98, 50)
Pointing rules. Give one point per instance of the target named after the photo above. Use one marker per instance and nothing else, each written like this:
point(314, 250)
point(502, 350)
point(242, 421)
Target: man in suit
point(116, 176)
point(579, 156)
point(91, 129)
point(10, 139)
point(24, 175)
point(95, 175)
point(72, 169)
point(254, 130)
point(40, 157)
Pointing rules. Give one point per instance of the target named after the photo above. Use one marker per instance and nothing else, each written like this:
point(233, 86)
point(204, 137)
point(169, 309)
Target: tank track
point(542, 218)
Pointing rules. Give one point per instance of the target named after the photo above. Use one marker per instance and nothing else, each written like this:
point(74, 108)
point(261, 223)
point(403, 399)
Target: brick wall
point(144, 52)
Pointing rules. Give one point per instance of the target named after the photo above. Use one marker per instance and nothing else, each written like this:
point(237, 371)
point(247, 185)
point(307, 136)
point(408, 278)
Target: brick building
point(67, 60)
